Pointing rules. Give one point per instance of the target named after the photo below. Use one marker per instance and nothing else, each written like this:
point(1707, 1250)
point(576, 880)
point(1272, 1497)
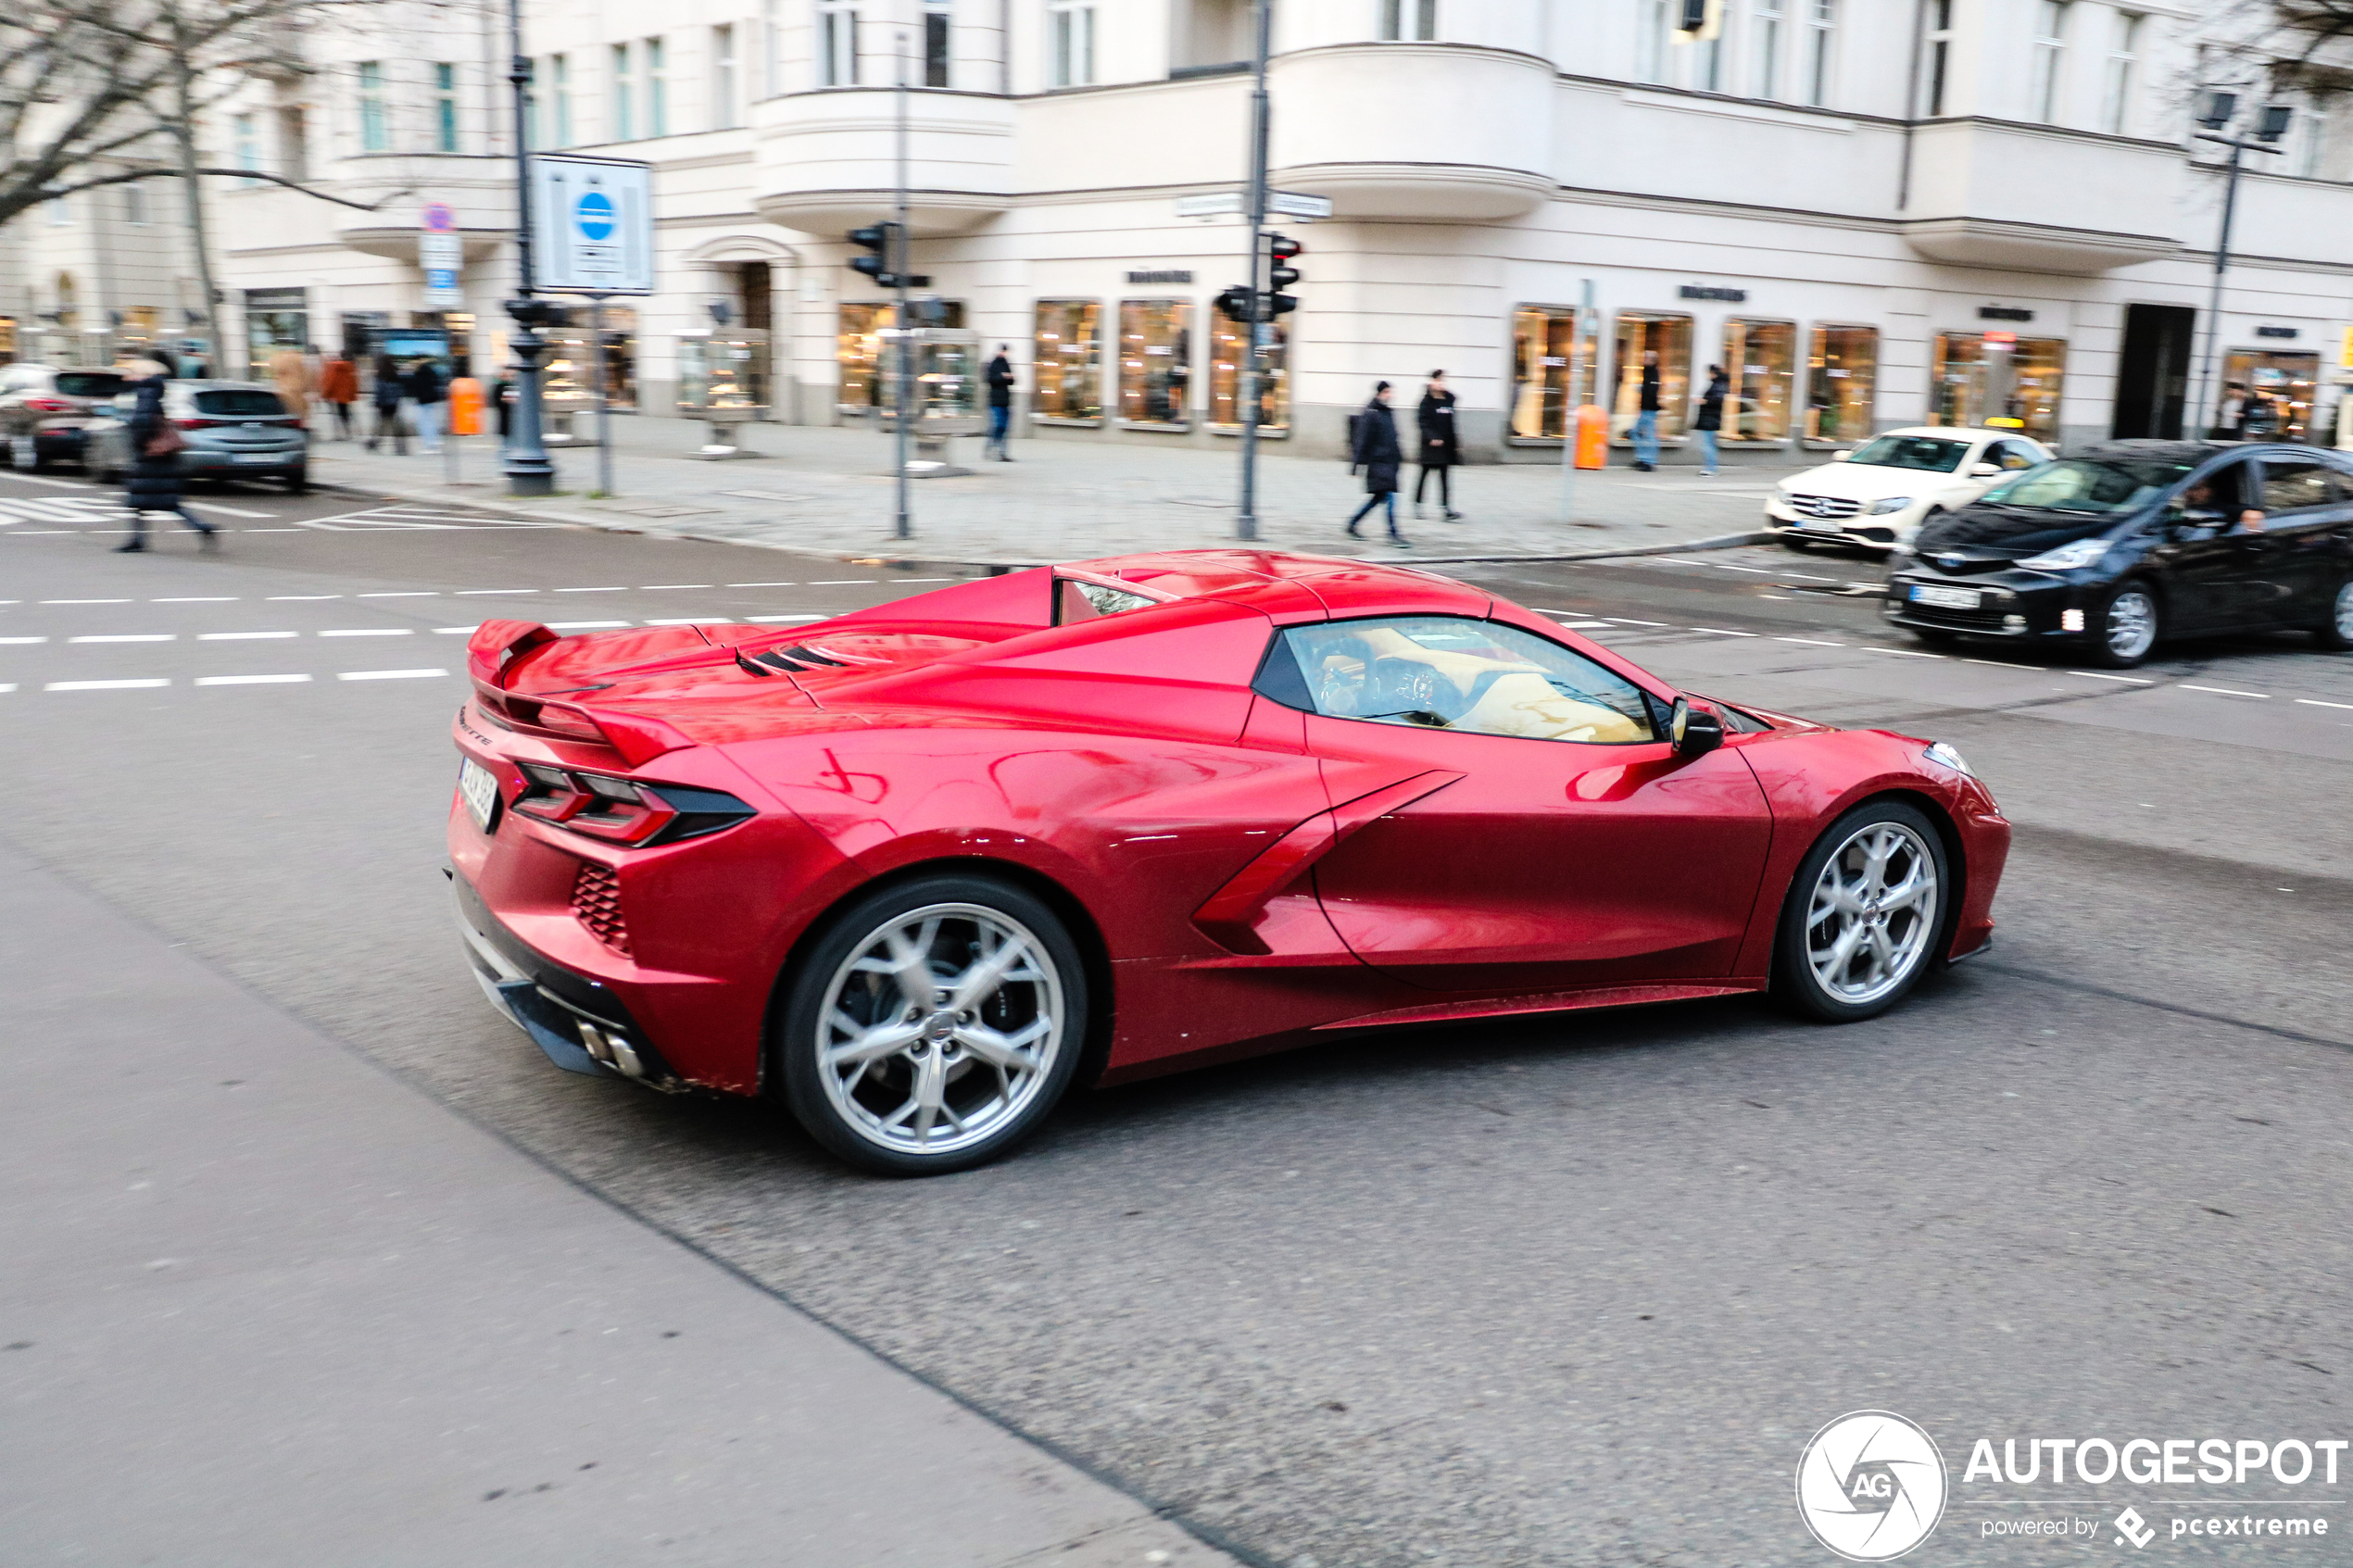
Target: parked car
point(916, 869)
point(234, 430)
point(1879, 495)
point(46, 409)
point(2133, 542)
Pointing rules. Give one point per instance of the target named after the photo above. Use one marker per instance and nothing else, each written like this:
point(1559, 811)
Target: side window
point(1445, 673)
point(2291, 486)
point(2013, 455)
point(1075, 600)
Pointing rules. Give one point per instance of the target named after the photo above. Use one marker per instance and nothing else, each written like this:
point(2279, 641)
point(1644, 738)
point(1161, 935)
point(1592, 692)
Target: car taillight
point(198, 424)
point(49, 405)
point(624, 810)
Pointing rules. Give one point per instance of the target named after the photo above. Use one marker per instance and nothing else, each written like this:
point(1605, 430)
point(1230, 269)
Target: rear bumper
point(580, 1025)
point(197, 460)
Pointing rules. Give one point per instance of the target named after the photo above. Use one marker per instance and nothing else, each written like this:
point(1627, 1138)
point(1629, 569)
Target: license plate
point(1819, 525)
point(479, 791)
point(1945, 599)
point(258, 458)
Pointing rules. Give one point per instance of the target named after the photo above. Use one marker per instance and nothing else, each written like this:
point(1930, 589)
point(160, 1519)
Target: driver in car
point(2202, 507)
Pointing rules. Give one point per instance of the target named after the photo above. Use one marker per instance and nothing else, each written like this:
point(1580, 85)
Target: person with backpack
point(1372, 445)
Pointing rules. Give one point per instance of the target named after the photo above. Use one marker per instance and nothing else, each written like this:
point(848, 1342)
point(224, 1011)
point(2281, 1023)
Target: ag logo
point(1870, 1486)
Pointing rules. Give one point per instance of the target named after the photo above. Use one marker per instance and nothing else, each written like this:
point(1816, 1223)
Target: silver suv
point(46, 408)
point(234, 430)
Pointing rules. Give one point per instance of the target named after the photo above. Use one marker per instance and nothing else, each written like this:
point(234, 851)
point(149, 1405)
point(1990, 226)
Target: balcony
point(1415, 131)
point(1984, 196)
point(826, 161)
point(480, 190)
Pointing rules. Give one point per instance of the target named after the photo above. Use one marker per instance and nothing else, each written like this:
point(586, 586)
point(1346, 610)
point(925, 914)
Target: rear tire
point(299, 480)
point(1791, 542)
point(1865, 914)
point(2126, 628)
point(933, 1025)
point(2335, 634)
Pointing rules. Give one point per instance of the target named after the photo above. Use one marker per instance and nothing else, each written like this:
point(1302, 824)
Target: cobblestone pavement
point(829, 491)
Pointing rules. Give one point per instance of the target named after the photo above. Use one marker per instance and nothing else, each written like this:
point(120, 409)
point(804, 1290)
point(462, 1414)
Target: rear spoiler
point(492, 654)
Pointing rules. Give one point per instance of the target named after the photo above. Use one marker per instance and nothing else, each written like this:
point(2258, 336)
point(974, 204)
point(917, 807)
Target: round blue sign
point(595, 215)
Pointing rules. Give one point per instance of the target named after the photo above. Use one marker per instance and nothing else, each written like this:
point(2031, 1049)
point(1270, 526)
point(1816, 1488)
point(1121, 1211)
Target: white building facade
point(1872, 213)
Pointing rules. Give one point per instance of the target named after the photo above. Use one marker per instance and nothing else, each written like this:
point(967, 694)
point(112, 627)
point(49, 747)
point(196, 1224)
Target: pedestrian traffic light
point(1234, 303)
point(1280, 276)
point(880, 240)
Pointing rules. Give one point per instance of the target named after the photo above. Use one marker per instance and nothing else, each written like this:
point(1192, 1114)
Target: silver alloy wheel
point(940, 1028)
point(2132, 624)
point(2344, 612)
point(1873, 912)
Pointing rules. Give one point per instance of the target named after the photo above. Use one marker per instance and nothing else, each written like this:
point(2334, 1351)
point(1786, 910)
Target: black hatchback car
point(2125, 543)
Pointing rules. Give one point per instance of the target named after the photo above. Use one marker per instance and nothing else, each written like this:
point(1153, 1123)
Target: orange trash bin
point(465, 406)
point(1592, 437)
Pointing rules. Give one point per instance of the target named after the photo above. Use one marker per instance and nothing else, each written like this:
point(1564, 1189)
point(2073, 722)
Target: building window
point(1767, 35)
point(244, 150)
point(1650, 41)
point(770, 50)
point(1155, 362)
point(375, 133)
point(445, 108)
point(1842, 382)
point(2123, 67)
point(723, 78)
point(624, 119)
point(61, 214)
point(1970, 381)
point(293, 142)
point(2050, 53)
point(134, 204)
point(1070, 49)
point(1669, 336)
point(1821, 22)
point(1228, 340)
point(2311, 140)
point(1551, 371)
point(559, 91)
point(1760, 361)
point(656, 89)
point(1067, 362)
point(858, 351)
point(836, 46)
point(1410, 20)
point(2278, 392)
point(937, 42)
point(1936, 70)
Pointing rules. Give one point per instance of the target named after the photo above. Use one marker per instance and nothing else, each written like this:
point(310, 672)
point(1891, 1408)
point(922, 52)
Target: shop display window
point(1156, 363)
point(1971, 382)
point(1640, 331)
point(2274, 393)
point(1068, 362)
point(1229, 342)
point(1841, 381)
point(861, 352)
point(1545, 355)
point(1760, 360)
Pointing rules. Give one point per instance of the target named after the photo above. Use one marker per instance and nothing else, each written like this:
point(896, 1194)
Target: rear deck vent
point(596, 900)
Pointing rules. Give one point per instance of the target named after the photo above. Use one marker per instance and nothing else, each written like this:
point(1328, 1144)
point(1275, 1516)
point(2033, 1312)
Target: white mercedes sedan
point(1879, 495)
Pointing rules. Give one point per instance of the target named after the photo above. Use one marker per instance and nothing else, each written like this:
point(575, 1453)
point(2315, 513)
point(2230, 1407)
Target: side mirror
point(1695, 731)
point(1984, 471)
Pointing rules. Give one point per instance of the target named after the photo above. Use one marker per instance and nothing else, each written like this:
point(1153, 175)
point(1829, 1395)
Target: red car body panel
point(1244, 873)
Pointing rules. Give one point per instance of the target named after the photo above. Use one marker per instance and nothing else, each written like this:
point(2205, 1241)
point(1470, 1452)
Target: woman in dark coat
point(386, 396)
point(154, 486)
point(1711, 417)
point(1373, 447)
point(1439, 451)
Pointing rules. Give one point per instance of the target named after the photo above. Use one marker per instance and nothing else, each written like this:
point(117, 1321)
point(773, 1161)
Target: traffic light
point(1281, 275)
point(880, 240)
point(1234, 303)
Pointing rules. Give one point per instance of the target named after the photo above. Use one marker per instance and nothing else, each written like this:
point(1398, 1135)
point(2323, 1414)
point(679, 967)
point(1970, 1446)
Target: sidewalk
point(829, 491)
point(268, 1307)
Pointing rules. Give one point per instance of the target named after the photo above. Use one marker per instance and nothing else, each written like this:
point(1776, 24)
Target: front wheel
point(2335, 634)
point(2126, 628)
point(1860, 924)
point(934, 1025)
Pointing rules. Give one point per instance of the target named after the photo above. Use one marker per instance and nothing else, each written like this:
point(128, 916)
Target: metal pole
point(604, 403)
point(1568, 398)
point(1262, 311)
point(529, 472)
point(2214, 302)
point(903, 526)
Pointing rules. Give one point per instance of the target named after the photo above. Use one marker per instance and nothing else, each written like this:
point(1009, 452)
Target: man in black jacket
point(1646, 430)
point(1373, 447)
point(1439, 452)
point(1000, 377)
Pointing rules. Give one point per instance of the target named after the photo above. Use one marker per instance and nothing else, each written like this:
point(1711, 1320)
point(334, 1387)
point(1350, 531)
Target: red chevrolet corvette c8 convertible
point(915, 869)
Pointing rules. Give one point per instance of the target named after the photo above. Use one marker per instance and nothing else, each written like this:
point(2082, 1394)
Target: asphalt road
point(1556, 1292)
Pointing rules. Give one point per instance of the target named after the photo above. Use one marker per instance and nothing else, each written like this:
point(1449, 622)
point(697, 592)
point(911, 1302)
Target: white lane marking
point(456, 631)
point(764, 620)
point(2097, 675)
point(690, 620)
point(100, 685)
point(2316, 702)
point(1719, 632)
point(19, 641)
point(650, 587)
point(402, 594)
point(390, 674)
point(214, 599)
point(494, 593)
point(35, 533)
point(127, 637)
point(7, 687)
point(276, 598)
point(623, 590)
point(841, 582)
point(2226, 691)
point(796, 585)
point(1811, 642)
point(268, 529)
point(249, 680)
point(60, 483)
point(233, 511)
point(369, 631)
point(1624, 620)
point(902, 580)
point(576, 625)
point(1904, 653)
point(85, 601)
point(241, 637)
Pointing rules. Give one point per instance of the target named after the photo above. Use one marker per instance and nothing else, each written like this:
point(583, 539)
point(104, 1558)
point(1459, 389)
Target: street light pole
point(2274, 125)
point(1261, 310)
point(903, 527)
point(529, 472)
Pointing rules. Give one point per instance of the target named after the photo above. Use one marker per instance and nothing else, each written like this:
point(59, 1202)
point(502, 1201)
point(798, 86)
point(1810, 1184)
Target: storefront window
point(1069, 362)
point(621, 356)
point(1155, 362)
point(2274, 393)
point(7, 340)
point(1760, 360)
point(1669, 336)
point(275, 319)
point(1971, 380)
point(1545, 354)
point(1842, 378)
point(862, 353)
point(1229, 342)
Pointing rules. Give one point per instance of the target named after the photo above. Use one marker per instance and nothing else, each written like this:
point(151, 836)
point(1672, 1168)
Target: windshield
point(239, 401)
point(89, 383)
point(1927, 454)
point(2079, 485)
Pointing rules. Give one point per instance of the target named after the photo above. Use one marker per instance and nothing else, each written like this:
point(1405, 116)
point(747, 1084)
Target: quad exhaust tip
point(611, 1049)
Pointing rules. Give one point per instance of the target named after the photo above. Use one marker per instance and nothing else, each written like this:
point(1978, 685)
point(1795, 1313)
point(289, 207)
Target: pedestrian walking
point(502, 397)
point(1439, 451)
point(1372, 445)
point(1646, 416)
point(339, 389)
point(155, 471)
point(1000, 377)
point(385, 394)
point(1711, 417)
point(291, 373)
point(428, 397)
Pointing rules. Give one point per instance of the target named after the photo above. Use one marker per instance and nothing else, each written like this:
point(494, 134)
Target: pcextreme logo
point(1870, 1486)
